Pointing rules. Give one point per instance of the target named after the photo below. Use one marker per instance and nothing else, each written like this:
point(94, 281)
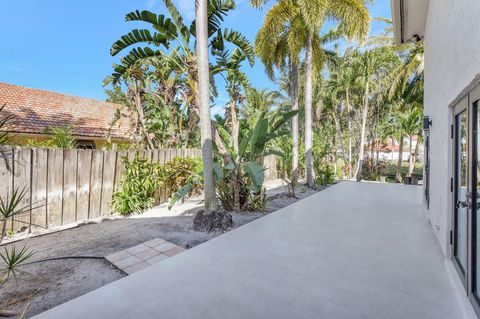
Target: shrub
point(324, 175)
point(182, 171)
point(322, 163)
point(225, 192)
point(61, 137)
point(140, 181)
point(372, 171)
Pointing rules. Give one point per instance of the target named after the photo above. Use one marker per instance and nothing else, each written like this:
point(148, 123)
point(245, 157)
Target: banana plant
point(168, 38)
point(240, 176)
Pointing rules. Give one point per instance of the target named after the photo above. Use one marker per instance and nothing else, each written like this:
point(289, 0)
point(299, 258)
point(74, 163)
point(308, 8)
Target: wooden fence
point(67, 186)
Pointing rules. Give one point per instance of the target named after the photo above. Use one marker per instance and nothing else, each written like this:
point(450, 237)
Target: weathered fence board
point(109, 163)
point(39, 188)
point(96, 185)
point(119, 167)
point(67, 186)
point(84, 169)
point(22, 173)
point(6, 173)
point(55, 187)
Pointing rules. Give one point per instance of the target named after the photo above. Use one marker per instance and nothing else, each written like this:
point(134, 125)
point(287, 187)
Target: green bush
point(323, 162)
point(182, 171)
point(61, 137)
point(140, 181)
point(324, 175)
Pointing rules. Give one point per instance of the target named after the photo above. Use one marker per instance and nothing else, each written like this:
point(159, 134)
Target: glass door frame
point(471, 105)
point(462, 106)
point(474, 104)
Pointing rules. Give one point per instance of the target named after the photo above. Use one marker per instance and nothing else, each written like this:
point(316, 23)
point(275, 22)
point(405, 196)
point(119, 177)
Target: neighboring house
point(35, 111)
point(451, 33)
point(390, 149)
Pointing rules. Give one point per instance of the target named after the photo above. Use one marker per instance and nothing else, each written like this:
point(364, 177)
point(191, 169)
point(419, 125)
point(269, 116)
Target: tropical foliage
point(60, 137)
point(157, 80)
point(143, 182)
point(340, 107)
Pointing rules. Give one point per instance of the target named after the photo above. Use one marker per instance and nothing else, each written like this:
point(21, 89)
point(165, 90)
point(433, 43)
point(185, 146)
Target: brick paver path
point(141, 256)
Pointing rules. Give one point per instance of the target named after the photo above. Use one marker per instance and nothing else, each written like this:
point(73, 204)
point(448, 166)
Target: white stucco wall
point(452, 59)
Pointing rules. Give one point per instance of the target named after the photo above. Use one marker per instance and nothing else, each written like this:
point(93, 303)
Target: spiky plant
point(10, 207)
point(13, 259)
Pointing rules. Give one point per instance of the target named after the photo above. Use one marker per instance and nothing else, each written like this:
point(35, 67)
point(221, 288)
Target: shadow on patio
point(355, 250)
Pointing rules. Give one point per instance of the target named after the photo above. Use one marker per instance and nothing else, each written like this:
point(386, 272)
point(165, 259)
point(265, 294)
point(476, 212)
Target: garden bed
point(46, 285)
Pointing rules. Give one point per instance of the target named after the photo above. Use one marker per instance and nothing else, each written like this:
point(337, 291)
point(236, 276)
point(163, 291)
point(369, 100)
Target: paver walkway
point(141, 256)
point(355, 250)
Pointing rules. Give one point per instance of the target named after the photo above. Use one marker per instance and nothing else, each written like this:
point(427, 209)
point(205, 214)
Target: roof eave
point(398, 8)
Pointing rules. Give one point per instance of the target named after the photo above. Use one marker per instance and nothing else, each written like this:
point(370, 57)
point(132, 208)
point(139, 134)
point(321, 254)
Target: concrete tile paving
point(138, 257)
point(347, 252)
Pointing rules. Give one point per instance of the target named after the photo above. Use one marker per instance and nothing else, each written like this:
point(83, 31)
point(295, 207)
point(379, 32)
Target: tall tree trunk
point(349, 121)
point(234, 124)
point(398, 175)
point(338, 131)
point(295, 126)
point(361, 154)
point(236, 173)
point(413, 158)
point(308, 112)
point(141, 118)
point(204, 104)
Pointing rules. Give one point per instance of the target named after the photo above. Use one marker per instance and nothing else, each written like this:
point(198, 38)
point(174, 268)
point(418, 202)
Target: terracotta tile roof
point(35, 110)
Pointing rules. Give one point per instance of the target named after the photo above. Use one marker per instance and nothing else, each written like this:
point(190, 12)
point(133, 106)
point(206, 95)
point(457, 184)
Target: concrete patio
point(355, 250)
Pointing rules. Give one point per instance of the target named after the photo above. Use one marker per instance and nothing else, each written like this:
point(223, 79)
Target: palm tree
point(293, 25)
point(201, 25)
point(413, 127)
point(354, 22)
point(407, 103)
point(278, 44)
point(259, 100)
point(172, 40)
point(237, 82)
point(373, 65)
point(342, 85)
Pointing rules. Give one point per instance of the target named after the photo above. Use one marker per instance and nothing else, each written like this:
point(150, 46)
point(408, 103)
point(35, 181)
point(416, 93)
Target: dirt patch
point(48, 284)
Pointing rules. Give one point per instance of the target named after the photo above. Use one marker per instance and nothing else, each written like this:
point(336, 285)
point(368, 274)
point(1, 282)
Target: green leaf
point(161, 23)
point(180, 194)
point(285, 117)
point(241, 42)
point(244, 144)
point(138, 36)
point(256, 172)
point(217, 172)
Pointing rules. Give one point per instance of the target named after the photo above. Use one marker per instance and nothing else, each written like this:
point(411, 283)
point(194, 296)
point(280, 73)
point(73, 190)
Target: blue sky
point(63, 46)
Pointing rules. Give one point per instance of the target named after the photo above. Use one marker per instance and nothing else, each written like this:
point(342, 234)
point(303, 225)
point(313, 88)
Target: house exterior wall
point(452, 59)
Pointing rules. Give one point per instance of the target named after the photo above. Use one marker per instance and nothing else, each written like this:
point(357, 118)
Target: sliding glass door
point(475, 238)
point(466, 192)
point(461, 191)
